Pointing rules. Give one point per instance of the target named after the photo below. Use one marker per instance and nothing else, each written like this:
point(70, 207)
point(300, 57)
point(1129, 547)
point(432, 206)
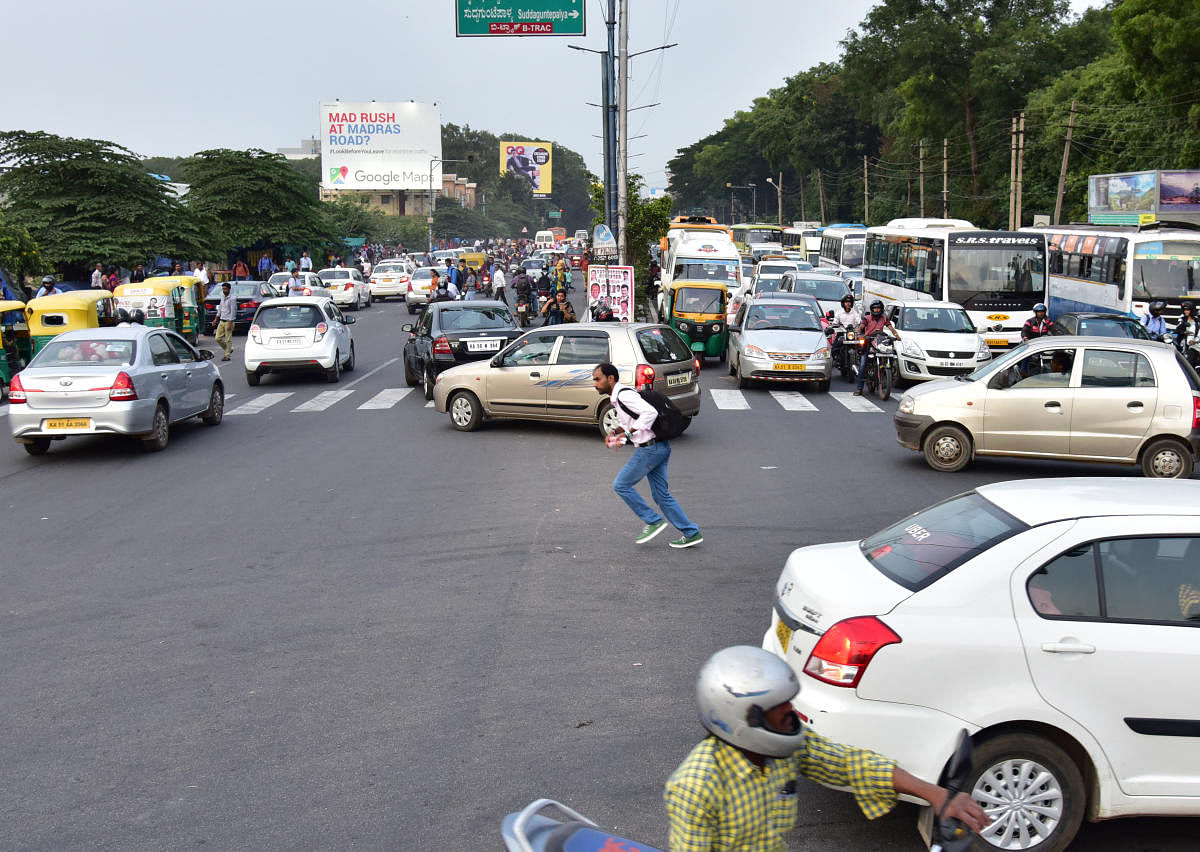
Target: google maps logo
point(338, 175)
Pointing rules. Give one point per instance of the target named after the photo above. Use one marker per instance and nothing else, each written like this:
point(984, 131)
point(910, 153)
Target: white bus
point(1121, 269)
point(842, 246)
point(997, 276)
point(806, 240)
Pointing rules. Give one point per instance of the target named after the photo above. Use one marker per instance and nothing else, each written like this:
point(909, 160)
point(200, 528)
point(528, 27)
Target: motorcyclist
point(872, 324)
point(847, 316)
point(1154, 323)
point(1187, 333)
point(48, 287)
point(1038, 324)
point(439, 289)
point(736, 790)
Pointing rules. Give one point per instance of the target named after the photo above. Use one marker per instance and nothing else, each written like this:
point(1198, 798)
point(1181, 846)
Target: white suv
point(1057, 620)
point(299, 333)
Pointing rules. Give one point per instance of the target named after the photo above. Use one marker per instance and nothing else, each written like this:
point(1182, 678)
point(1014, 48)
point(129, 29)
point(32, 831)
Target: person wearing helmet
point(1038, 324)
point(872, 324)
point(846, 315)
point(48, 287)
point(736, 790)
point(1187, 333)
point(1153, 321)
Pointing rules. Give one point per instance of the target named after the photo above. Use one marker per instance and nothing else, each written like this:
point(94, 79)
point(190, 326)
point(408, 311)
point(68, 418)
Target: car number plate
point(797, 367)
point(489, 344)
point(996, 341)
point(67, 423)
point(954, 364)
point(287, 341)
point(678, 379)
point(784, 634)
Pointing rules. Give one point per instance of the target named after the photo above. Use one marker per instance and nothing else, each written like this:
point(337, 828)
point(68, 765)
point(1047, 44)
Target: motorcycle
point(522, 309)
point(844, 344)
point(529, 831)
point(881, 363)
point(950, 835)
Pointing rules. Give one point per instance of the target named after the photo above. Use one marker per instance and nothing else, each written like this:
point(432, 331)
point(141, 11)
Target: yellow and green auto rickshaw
point(50, 316)
point(696, 309)
point(14, 331)
point(163, 303)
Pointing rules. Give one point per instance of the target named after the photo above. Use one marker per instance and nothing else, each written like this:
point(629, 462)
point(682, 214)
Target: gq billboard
point(380, 145)
point(532, 161)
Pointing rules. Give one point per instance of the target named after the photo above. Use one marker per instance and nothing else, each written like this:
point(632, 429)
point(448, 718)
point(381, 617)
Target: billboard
point(1179, 192)
point(380, 145)
point(532, 160)
point(1123, 193)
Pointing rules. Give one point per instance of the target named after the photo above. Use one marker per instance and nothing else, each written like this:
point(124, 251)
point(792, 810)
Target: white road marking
point(323, 400)
point(793, 401)
point(729, 399)
point(260, 404)
point(4, 411)
point(857, 404)
point(386, 398)
point(373, 372)
point(429, 404)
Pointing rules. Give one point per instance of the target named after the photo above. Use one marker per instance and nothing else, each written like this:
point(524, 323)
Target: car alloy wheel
point(216, 407)
point(160, 431)
point(465, 413)
point(608, 419)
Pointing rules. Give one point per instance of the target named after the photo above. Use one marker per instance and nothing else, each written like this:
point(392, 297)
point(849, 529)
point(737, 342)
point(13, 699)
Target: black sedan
point(249, 295)
point(1099, 325)
point(453, 333)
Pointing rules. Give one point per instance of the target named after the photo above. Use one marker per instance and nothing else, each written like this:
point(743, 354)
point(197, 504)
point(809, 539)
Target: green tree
point(19, 254)
point(88, 200)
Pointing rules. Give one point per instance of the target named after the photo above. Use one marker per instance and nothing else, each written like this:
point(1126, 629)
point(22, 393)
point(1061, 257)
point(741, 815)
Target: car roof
point(1060, 341)
point(296, 300)
point(469, 303)
point(813, 275)
point(1096, 315)
point(1041, 501)
point(125, 332)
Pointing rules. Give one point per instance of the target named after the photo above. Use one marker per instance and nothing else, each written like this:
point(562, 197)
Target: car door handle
point(1068, 648)
point(535, 375)
point(1055, 406)
point(1135, 405)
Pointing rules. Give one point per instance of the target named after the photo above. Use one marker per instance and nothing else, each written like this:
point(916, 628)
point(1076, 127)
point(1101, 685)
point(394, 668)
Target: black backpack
point(670, 421)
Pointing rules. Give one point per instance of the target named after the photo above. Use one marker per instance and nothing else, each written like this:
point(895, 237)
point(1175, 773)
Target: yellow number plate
point(68, 423)
point(787, 366)
point(996, 341)
point(784, 634)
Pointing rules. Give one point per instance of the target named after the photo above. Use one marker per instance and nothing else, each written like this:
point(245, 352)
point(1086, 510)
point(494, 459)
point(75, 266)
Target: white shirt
point(847, 319)
point(498, 279)
point(202, 274)
point(638, 429)
point(97, 279)
point(305, 263)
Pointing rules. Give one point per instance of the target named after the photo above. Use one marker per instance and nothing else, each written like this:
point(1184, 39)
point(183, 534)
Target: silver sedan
point(127, 380)
point(779, 339)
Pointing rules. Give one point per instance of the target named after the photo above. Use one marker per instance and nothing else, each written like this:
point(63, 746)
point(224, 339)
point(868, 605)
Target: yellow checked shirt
point(718, 801)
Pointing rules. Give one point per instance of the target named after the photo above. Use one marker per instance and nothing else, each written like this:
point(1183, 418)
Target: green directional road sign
point(555, 214)
point(520, 18)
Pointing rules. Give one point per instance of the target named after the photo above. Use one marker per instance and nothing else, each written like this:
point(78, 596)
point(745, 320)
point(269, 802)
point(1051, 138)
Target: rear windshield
point(1112, 327)
point(238, 291)
point(333, 274)
point(471, 319)
point(819, 288)
point(661, 345)
point(921, 548)
point(289, 316)
point(102, 353)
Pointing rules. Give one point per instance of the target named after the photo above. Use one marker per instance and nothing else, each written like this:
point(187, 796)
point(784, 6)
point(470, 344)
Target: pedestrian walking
point(138, 275)
point(201, 274)
point(295, 284)
point(266, 267)
point(226, 314)
point(98, 277)
point(240, 270)
point(649, 461)
point(305, 262)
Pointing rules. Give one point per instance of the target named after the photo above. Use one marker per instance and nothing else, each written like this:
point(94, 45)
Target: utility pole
point(821, 196)
point(611, 174)
point(866, 195)
point(609, 154)
point(623, 137)
point(1012, 173)
point(1062, 173)
point(803, 210)
point(1020, 169)
point(921, 183)
point(945, 178)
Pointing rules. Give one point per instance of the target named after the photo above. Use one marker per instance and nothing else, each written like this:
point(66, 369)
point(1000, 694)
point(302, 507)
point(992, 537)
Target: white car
point(419, 283)
point(1056, 620)
point(390, 278)
point(346, 286)
point(299, 333)
point(937, 339)
point(313, 285)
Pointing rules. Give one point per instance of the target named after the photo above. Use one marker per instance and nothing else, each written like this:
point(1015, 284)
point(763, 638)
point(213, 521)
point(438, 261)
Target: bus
point(1121, 269)
point(806, 240)
point(997, 276)
point(743, 235)
point(693, 226)
point(842, 246)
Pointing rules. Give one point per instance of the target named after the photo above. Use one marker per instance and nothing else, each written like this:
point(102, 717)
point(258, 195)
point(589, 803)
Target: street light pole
point(779, 194)
point(433, 197)
point(754, 202)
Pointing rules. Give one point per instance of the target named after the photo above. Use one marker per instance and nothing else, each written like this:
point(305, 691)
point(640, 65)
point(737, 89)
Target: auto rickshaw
point(50, 316)
point(14, 332)
point(696, 309)
point(170, 301)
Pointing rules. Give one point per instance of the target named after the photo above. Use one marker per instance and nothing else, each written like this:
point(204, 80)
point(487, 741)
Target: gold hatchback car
point(546, 374)
point(1101, 399)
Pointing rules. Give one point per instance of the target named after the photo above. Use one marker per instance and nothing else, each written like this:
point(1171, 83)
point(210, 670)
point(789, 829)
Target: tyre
point(607, 419)
point(847, 370)
point(216, 406)
point(823, 386)
point(723, 355)
point(410, 378)
point(742, 381)
point(412, 309)
point(947, 448)
point(160, 431)
point(370, 299)
point(465, 411)
point(1165, 458)
point(253, 378)
point(884, 381)
point(869, 379)
point(430, 379)
point(349, 368)
point(37, 446)
point(732, 368)
point(1033, 791)
point(334, 374)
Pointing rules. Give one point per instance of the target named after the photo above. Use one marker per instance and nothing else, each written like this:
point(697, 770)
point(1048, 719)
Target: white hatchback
point(299, 333)
point(937, 339)
point(346, 286)
point(1056, 620)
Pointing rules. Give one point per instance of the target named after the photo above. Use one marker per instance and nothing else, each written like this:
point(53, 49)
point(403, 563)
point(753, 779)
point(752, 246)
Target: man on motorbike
point(872, 324)
point(1153, 322)
point(847, 316)
point(1187, 334)
point(737, 789)
point(1038, 324)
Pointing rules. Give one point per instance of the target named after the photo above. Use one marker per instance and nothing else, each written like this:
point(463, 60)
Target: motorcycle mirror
point(959, 768)
point(829, 315)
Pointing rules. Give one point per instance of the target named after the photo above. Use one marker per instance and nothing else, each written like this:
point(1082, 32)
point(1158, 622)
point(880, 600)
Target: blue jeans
point(651, 463)
point(862, 370)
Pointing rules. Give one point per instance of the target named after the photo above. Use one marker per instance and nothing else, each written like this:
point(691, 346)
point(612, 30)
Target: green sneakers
point(651, 531)
point(688, 540)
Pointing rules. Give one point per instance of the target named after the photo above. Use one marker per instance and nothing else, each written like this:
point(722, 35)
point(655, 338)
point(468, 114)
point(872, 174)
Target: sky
point(169, 78)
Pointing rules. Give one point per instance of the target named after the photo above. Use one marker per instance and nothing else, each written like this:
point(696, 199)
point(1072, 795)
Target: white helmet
point(734, 690)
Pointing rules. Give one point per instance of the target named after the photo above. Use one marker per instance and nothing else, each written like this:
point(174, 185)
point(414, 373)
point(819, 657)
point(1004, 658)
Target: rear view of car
point(388, 279)
point(297, 334)
point(416, 293)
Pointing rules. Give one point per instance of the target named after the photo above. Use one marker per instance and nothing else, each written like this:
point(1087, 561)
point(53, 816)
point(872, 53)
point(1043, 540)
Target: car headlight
point(683, 326)
point(716, 327)
point(907, 404)
point(911, 349)
point(755, 352)
point(984, 352)
point(821, 354)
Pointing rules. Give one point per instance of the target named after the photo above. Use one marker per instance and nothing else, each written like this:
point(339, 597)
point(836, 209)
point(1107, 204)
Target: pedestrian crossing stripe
point(259, 404)
point(735, 400)
point(857, 404)
point(793, 401)
point(385, 399)
point(323, 400)
point(729, 399)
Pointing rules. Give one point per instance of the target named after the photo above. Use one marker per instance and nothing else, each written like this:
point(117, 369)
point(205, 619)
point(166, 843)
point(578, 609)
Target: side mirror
point(207, 354)
point(829, 315)
point(408, 326)
point(349, 320)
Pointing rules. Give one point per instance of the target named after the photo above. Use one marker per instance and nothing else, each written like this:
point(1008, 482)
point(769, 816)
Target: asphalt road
point(356, 628)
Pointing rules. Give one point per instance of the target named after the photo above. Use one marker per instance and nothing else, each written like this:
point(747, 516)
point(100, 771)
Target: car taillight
point(122, 388)
point(843, 652)
point(252, 304)
point(321, 329)
point(1195, 411)
point(441, 346)
point(410, 287)
point(696, 362)
point(643, 376)
point(16, 391)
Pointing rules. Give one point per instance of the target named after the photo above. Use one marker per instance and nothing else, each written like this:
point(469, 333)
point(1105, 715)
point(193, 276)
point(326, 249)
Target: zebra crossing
point(735, 400)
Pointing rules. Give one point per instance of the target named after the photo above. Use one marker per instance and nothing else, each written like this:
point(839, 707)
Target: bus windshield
point(706, 270)
point(852, 253)
point(1016, 272)
point(1166, 269)
point(762, 235)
